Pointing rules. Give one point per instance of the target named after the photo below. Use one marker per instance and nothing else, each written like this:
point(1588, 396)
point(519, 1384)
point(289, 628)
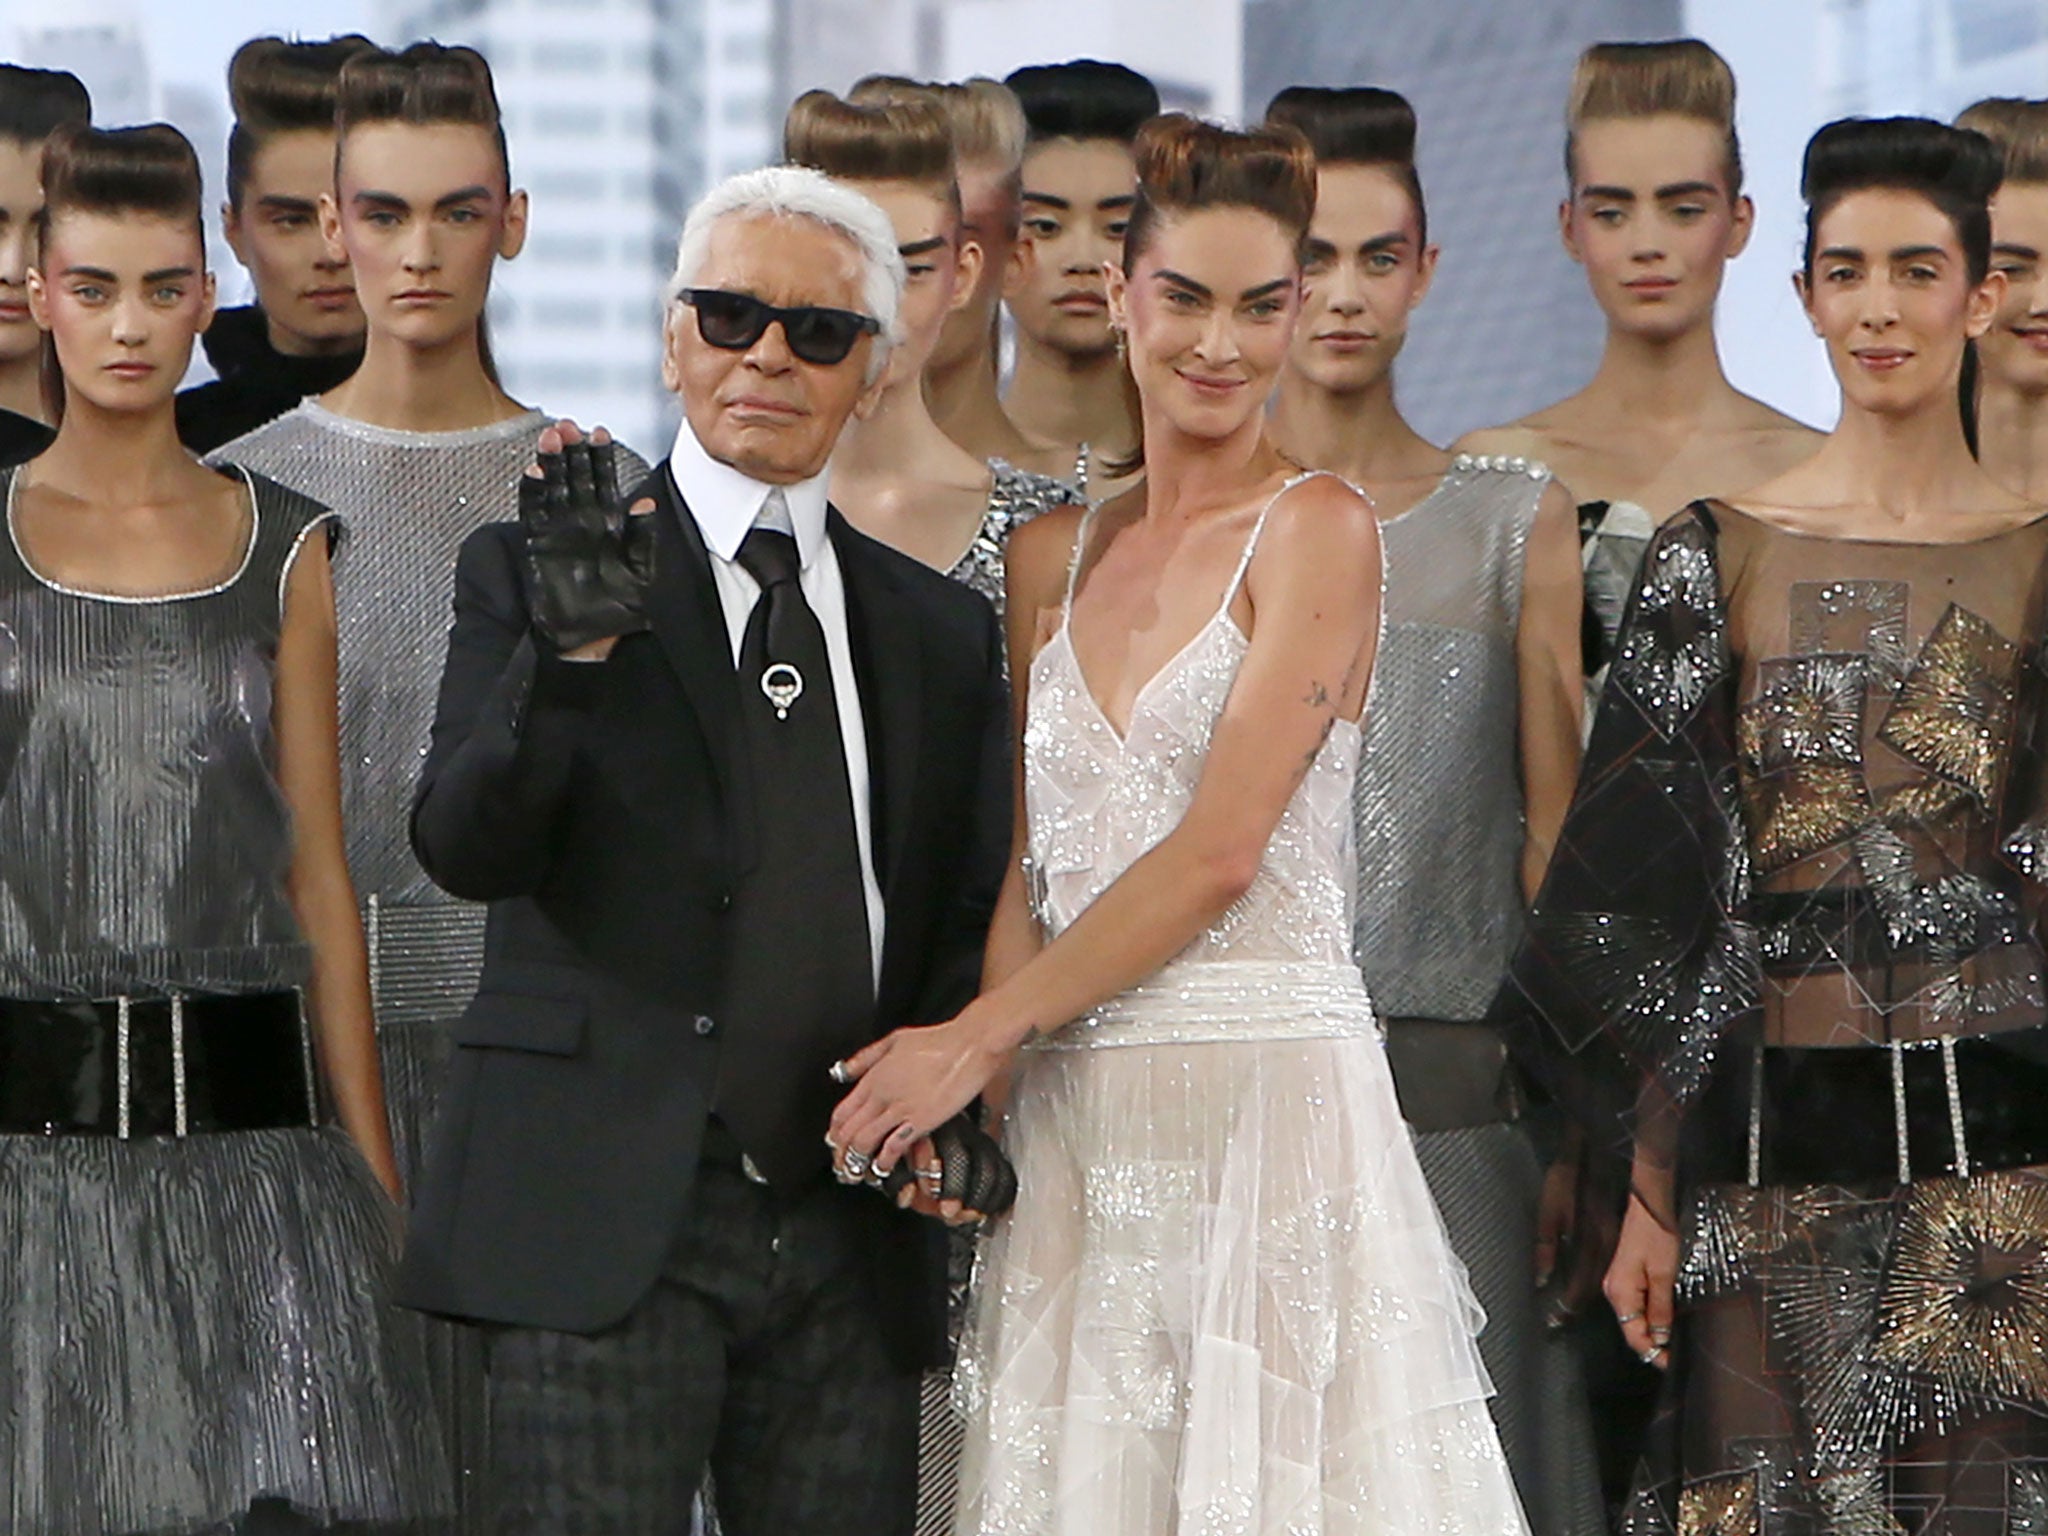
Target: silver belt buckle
point(751, 1169)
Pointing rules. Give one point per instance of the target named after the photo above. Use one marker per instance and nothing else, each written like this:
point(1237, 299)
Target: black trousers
point(756, 1356)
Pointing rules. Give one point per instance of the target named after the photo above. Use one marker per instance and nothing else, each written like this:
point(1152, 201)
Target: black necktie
point(800, 990)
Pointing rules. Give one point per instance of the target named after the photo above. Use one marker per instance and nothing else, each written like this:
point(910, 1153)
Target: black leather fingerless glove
point(973, 1169)
point(588, 562)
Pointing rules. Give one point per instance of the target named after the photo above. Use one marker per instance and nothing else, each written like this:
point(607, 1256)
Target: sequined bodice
point(144, 842)
point(1439, 795)
point(1015, 497)
point(407, 500)
point(1096, 800)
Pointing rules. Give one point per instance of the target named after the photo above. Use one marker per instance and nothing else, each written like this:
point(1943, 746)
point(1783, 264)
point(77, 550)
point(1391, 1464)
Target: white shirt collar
point(726, 502)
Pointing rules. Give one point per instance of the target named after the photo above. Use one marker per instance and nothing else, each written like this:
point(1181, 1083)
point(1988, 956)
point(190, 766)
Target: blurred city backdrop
point(620, 112)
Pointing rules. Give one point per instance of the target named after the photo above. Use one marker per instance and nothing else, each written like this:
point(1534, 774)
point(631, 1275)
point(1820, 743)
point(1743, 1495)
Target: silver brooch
point(784, 685)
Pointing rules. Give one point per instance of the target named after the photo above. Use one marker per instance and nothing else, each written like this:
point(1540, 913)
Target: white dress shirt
point(727, 505)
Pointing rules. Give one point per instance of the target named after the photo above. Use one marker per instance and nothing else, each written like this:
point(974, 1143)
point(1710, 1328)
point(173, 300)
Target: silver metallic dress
point(1438, 803)
point(1016, 497)
point(187, 1324)
point(407, 501)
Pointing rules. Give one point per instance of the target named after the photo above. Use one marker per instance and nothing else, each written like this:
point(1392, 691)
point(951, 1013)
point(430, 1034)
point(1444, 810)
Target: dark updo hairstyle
point(425, 85)
point(1083, 99)
point(2018, 130)
point(1186, 165)
point(1956, 169)
point(282, 87)
point(896, 140)
point(1679, 78)
point(1359, 125)
point(150, 171)
point(35, 103)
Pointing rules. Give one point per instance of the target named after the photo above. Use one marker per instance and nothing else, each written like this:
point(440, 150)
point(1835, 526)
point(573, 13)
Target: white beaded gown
point(1224, 1304)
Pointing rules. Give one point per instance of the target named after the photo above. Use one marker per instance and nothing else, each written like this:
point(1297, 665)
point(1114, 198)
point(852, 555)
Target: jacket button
point(705, 1025)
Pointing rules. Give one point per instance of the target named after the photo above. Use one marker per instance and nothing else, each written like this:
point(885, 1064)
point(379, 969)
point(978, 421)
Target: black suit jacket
point(604, 812)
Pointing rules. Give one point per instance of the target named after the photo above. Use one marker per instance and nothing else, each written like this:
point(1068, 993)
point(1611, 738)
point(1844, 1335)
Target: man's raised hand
point(589, 558)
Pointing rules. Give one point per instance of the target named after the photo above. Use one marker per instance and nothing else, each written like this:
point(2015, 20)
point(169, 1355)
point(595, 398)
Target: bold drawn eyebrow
point(1263, 289)
point(1047, 199)
point(1841, 253)
point(1387, 242)
point(1687, 189)
point(1607, 194)
point(390, 200)
point(1200, 290)
point(921, 247)
point(97, 274)
point(2014, 248)
point(462, 195)
point(277, 204)
point(1916, 252)
point(167, 274)
point(1108, 204)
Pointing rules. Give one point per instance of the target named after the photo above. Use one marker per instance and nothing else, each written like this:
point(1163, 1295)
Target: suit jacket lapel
point(684, 612)
point(889, 666)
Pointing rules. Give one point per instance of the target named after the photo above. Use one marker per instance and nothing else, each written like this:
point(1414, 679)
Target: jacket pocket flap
point(513, 1021)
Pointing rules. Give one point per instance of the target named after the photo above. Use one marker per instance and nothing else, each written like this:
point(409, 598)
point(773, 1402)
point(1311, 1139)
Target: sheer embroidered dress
point(1224, 1303)
point(1790, 951)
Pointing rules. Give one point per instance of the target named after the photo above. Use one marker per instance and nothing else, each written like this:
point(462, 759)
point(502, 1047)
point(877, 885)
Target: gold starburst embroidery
point(1803, 811)
point(1854, 1504)
point(1720, 1506)
point(1954, 711)
point(1965, 1303)
point(1807, 709)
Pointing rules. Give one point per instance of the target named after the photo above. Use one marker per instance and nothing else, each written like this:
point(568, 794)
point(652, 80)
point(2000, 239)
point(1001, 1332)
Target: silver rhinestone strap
point(178, 1060)
point(1756, 1115)
point(306, 1059)
point(373, 937)
point(1899, 1110)
point(121, 1064)
point(1955, 1105)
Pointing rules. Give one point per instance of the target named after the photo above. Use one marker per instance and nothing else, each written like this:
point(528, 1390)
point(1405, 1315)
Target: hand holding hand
point(906, 1085)
point(957, 1174)
point(589, 558)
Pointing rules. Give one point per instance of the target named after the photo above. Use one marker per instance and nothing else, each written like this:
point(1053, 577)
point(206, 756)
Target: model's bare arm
point(309, 773)
point(1314, 589)
point(1547, 662)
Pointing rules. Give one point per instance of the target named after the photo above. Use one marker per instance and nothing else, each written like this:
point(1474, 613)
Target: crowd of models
point(1113, 945)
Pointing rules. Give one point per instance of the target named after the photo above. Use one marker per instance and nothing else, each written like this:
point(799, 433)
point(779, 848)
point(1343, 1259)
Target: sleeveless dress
point(1791, 948)
point(408, 500)
point(187, 1324)
point(1439, 812)
point(1224, 1302)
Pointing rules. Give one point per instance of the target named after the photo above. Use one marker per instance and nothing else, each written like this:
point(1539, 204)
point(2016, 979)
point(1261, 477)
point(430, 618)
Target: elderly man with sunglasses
point(733, 778)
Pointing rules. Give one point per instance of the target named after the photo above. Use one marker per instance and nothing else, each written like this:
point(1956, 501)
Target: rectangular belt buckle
point(751, 1169)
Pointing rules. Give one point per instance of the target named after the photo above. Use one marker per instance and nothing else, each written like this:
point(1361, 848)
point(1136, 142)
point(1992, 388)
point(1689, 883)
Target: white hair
point(798, 192)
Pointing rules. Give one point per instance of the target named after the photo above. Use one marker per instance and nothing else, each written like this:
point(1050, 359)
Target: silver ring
point(1649, 1356)
point(838, 1073)
point(857, 1164)
point(931, 1178)
point(1627, 1317)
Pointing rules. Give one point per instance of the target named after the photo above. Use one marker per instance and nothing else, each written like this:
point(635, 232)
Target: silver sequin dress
point(186, 1324)
point(1439, 812)
point(1224, 1303)
point(407, 500)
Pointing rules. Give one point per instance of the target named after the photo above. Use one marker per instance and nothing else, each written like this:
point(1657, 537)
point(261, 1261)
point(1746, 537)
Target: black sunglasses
point(735, 321)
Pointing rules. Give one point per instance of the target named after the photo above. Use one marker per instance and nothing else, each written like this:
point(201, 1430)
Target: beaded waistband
point(1227, 1002)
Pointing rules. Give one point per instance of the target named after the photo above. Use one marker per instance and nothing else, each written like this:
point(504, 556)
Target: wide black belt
point(1873, 1114)
point(158, 1066)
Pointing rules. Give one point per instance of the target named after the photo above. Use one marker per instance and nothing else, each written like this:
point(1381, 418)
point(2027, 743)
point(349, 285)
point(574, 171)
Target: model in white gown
point(1224, 1304)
